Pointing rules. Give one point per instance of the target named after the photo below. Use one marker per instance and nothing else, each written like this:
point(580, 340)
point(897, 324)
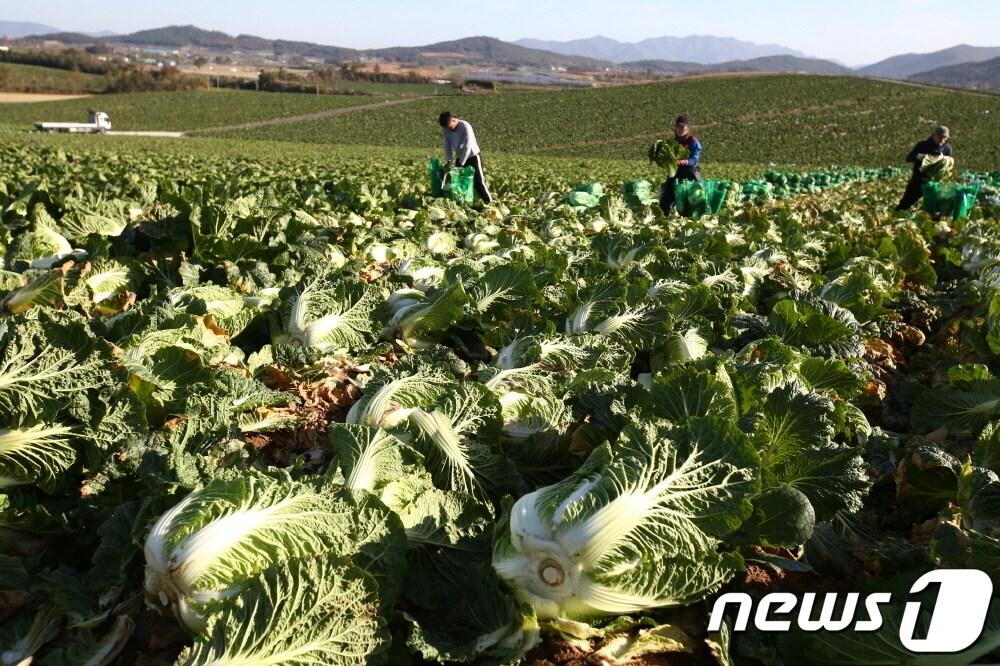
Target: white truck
point(97, 122)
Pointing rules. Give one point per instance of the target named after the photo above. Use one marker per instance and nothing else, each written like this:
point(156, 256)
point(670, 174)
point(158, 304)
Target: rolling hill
point(980, 75)
point(785, 118)
point(908, 64)
point(780, 63)
point(784, 63)
point(671, 67)
point(703, 49)
point(483, 49)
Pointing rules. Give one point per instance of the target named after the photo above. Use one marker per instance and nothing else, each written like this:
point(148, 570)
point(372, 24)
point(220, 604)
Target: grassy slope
point(788, 119)
point(180, 110)
point(29, 78)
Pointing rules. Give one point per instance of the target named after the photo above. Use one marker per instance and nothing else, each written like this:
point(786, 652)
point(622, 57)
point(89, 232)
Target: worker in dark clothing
point(935, 144)
point(687, 169)
point(460, 140)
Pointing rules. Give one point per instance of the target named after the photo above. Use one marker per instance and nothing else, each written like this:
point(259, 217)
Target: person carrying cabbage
point(934, 146)
point(688, 168)
point(460, 140)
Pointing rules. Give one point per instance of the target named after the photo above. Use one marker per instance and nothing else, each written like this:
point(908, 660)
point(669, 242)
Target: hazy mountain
point(602, 48)
point(19, 29)
point(705, 49)
point(908, 64)
point(979, 75)
point(781, 63)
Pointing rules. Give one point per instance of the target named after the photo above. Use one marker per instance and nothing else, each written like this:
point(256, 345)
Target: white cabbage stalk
point(59, 247)
point(623, 533)
point(625, 321)
point(666, 288)
point(687, 346)
point(480, 243)
point(441, 242)
point(38, 452)
point(205, 547)
point(402, 298)
point(424, 275)
point(378, 253)
point(108, 282)
point(725, 279)
point(525, 415)
point(262, 298)
point(509, 356)
point(311, 334)
point(336, 257)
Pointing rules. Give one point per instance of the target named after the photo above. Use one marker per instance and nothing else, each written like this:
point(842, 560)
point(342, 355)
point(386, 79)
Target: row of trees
point(126, 77)
point(72, 60)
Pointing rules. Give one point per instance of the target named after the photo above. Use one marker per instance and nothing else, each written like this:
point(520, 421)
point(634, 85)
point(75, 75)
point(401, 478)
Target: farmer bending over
point(935, 144)
point(687, 169)
point(460, 141)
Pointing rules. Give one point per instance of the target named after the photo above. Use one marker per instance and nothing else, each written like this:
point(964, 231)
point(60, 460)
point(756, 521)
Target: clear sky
point(852, 31)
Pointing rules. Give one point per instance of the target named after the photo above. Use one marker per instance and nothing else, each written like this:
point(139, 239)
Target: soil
point(17, 98)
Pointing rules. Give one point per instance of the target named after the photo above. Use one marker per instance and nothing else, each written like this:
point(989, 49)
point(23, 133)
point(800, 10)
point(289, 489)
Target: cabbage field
point(264, 412)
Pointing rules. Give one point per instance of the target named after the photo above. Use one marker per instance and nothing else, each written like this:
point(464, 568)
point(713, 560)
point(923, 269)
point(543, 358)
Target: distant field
point(417, 89)
point(807, 120)
point(32, 79)
point(184, 110)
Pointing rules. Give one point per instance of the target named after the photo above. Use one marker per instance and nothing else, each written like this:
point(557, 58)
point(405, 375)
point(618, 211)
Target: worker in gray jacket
point(460, 142)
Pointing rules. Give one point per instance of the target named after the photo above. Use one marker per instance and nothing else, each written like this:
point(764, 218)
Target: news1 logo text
point(956, 623)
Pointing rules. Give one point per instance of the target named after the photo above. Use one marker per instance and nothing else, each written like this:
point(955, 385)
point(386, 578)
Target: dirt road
point(18, 98)
point(292, 120)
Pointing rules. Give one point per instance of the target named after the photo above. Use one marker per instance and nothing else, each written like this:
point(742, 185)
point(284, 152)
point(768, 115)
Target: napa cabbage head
point(638, 526)
point(205, 548)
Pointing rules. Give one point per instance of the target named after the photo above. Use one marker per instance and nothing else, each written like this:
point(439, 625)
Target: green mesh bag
point(461, 184)
point(949, 199)
point(458, 184)
point(696, 198)
point(435, 176)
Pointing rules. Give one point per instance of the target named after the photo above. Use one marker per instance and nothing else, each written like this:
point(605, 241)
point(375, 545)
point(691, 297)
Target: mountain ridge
point(908, 64)
point(701, 49)
point(468, 49)
point(19, 29)
point(984, 75)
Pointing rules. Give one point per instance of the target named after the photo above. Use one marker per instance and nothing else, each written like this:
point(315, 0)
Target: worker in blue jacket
point(687, 169)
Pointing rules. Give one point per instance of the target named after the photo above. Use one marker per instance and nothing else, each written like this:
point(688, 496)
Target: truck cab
point(100, 120)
